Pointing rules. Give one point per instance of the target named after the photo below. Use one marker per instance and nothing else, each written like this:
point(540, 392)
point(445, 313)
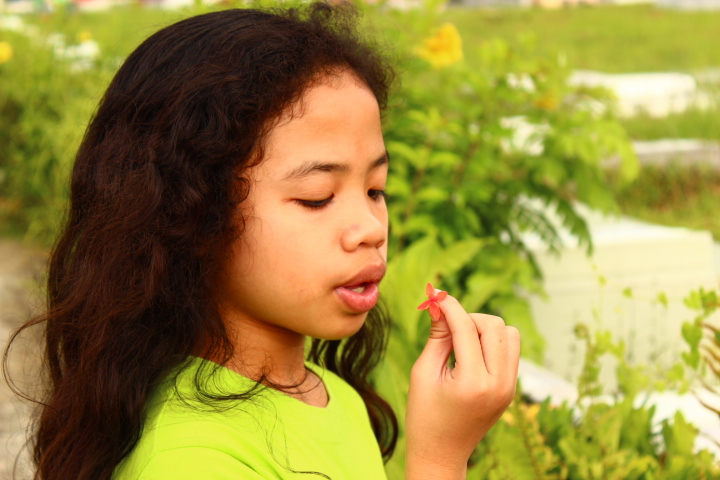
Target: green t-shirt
point(257, 439)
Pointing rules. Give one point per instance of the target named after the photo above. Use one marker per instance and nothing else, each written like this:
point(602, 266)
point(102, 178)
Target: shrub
point(46, 98)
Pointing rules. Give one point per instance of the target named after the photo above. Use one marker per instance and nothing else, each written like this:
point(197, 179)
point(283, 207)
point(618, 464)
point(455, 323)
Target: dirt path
point(20, 270)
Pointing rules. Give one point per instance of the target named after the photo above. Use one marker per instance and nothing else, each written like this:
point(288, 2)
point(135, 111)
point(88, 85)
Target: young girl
point(227, 203)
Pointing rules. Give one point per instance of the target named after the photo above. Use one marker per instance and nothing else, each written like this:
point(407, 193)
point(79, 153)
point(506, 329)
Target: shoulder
point(181, 428)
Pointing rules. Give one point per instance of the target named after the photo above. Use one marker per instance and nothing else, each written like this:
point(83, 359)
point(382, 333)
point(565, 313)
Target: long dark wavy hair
point(153, 211)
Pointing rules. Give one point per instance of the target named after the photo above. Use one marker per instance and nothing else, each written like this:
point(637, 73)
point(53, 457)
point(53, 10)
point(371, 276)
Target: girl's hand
point(451, 409)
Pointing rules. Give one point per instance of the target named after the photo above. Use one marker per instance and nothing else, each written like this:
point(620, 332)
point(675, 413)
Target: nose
point(365, 226)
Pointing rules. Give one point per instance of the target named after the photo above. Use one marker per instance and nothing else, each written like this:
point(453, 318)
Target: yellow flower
point(443, 49)
point(508, 418)
point(548, 102)
point(84, 36)
point(531, 411)
point(6, 52)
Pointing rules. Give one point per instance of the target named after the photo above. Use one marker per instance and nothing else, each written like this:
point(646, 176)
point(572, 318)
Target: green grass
point(676, 196)
point(118, 31)
point(607, 38)
point(704, 124)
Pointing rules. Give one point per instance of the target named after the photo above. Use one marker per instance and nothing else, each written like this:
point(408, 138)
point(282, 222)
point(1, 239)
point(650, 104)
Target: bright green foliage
point(487, 152)
point(678, 194)
point(480, 155)
point(477, 153)
point(44, 105)
point(702, 335)
point(608, 37)
point(597, 438)
point(706, 303)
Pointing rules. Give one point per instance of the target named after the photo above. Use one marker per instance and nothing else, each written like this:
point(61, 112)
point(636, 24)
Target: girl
point(227, 203)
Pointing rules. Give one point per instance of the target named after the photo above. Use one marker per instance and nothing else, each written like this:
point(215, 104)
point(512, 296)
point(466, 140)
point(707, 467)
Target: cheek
point(290, 251)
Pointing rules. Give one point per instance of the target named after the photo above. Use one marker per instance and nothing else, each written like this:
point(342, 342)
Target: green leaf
point(692, 358)
point(401, 150)
point(443, 159)
point(481, 286)
point(694, 300)
point(424, 261)
point(679, 436)
point(692, 333)
point(516, 312)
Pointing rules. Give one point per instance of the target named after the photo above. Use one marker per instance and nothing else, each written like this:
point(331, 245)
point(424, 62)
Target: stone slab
point(684, 151)
point(617, 289)
point(657, 94)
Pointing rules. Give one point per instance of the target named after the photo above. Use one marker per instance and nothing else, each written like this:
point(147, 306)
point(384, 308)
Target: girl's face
point(315, 243)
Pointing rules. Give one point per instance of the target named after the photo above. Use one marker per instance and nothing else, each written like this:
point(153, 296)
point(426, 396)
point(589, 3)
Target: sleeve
point(193, 463)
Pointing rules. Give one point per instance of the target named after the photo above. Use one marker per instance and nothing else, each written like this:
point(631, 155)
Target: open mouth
point(358, 288)
point(360, 293)
point(360, 297)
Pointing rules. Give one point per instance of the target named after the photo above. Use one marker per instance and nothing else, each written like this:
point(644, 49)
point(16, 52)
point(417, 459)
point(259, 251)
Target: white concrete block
point(629, 254)
point(656, 93)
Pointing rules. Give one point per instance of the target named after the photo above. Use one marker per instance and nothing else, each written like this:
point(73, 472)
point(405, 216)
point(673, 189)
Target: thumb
point(439, 346)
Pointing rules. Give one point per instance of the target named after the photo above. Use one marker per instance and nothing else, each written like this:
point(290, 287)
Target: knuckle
point(495, 397)
point(494, 322)
point(512, 333)
point(466, 327)
point(489, 321)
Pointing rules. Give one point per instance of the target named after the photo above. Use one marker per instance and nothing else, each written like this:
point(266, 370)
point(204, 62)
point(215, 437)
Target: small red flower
point(432, 303)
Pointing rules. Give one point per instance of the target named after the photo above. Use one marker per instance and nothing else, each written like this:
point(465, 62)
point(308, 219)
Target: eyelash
point(318, 204)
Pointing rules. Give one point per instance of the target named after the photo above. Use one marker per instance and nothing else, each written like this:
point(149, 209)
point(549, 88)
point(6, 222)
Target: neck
point(279, 354)
point(261, 348)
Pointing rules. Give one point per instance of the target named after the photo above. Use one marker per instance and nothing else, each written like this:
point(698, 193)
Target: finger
point(468, 352)
point(513, 351)
point(494, 342)
point(438, 347)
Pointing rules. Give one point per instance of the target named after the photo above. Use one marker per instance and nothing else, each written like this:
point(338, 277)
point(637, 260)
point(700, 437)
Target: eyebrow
point(311, 167)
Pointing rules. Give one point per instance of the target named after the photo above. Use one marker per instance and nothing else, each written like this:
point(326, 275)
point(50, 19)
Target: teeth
point(359, 289)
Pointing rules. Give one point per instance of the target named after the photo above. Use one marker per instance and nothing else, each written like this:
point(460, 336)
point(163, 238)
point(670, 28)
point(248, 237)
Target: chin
point(350, 326)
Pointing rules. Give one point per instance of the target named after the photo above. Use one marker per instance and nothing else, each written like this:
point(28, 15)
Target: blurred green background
point(490, 139)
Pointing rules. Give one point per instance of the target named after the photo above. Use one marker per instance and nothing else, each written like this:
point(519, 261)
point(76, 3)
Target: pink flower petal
point(435, 311)
point(424, 305)
point(429, 290)
point(441, 296)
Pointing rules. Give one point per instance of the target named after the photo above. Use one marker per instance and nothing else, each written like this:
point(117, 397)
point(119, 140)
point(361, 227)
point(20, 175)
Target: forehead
point(337, 120)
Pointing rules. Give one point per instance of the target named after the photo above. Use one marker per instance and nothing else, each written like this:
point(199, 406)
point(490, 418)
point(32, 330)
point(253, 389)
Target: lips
point(360, 293)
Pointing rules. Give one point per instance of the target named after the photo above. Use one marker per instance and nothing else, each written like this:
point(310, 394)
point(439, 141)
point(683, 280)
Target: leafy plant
point(491, 152)
point(45, 101)
point(703, 339)
point(481, 154)
point(597, 437)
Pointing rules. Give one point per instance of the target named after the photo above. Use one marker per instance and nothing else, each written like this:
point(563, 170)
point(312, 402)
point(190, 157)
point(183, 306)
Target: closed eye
point(377, 194)
point(315, 204)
